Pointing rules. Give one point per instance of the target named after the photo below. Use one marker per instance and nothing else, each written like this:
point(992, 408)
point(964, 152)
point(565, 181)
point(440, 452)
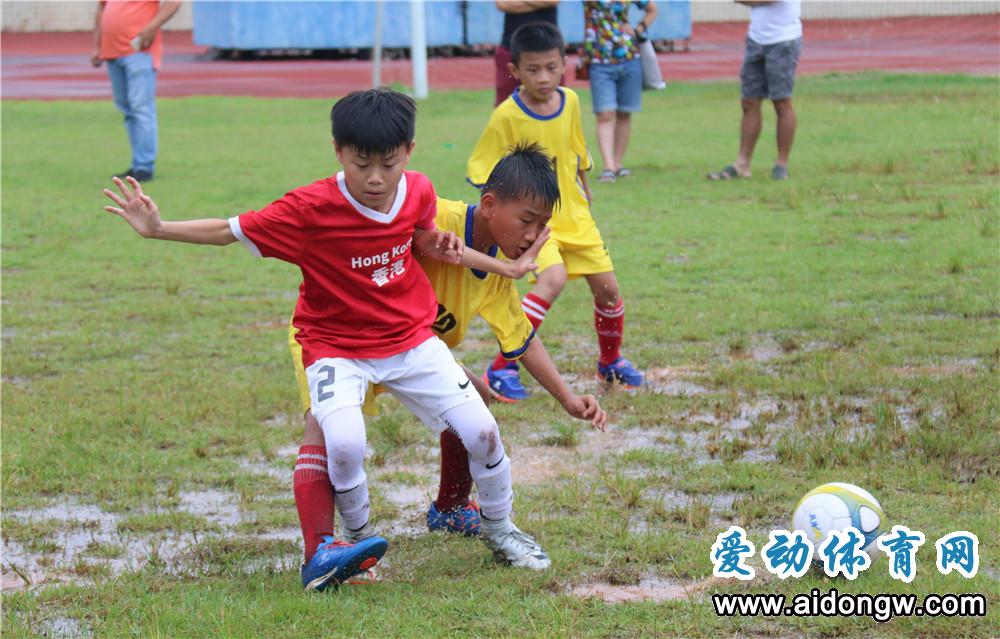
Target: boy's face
point(516, 223)
point(539, 72)
point(372, 179)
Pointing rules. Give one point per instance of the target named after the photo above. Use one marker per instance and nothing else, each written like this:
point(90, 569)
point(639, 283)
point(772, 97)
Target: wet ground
point(68, 541)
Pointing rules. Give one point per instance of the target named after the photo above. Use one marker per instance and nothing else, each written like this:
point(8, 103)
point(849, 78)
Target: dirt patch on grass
point(648, 589)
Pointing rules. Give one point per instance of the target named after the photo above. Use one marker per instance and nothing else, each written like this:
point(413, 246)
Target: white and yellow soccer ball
point(836, 506)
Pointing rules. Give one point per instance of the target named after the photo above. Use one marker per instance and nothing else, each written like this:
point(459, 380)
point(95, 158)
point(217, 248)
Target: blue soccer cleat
point(622, 371)
point(505, 384)
point(463, 520)
point(337, 561)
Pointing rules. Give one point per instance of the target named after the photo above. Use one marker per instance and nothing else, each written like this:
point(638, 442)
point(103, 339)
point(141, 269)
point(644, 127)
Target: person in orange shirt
point(127, 35)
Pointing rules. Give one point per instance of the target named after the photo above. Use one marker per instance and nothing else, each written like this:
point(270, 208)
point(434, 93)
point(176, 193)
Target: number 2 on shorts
point(323, 395)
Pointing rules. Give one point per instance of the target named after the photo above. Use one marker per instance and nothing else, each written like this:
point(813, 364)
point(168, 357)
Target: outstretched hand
point(135, 207)
point(526, 263)
point(587, 407)
point(440, 245)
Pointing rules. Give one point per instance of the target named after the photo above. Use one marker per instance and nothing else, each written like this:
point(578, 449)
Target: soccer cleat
point(622, 371)
point(505, 384)
point(463, 520)
point(514, 547)
point(337, 561)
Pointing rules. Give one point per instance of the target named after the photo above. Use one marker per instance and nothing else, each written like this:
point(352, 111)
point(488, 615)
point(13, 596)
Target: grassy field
point(841, 326)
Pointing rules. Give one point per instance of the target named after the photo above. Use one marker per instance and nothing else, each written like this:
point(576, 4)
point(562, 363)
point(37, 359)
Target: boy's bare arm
point(536, 359)
point(142, 214)
point(436, 244)
point(515, 270)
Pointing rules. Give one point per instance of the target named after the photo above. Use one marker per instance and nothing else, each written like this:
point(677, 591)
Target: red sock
point(313, 497)
point(610, 323)
point(535, 308)
point(456, 481)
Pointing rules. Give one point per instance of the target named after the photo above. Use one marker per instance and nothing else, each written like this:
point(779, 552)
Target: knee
point(623, 117)
point(606, 116)
point(552, 280)
point(608, 296)
point(783, 107)
point(750, 106)
point(486, 447)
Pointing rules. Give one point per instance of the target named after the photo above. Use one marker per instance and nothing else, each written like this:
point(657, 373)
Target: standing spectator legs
point(749, 132)
point(606, 140)
point(133, 85)
point(623, 128)
point(786, 129)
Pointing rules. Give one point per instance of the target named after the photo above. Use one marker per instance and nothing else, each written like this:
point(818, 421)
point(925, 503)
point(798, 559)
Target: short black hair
point(525, 171)
point(535, 37)
point(374, 122)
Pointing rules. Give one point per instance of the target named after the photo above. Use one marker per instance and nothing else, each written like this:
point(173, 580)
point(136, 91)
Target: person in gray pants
point(773, 46)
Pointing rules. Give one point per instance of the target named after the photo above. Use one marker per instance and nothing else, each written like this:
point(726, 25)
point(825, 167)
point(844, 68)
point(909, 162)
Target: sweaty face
point(516, 224)
point(540, 72)
point(372, 178)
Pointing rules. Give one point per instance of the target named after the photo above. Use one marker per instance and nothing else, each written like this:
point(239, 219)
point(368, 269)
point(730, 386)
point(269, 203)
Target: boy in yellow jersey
point(515, 205)
point(542, 112)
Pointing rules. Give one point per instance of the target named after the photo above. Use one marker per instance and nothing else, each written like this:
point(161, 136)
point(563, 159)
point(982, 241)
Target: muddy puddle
point(649, 588)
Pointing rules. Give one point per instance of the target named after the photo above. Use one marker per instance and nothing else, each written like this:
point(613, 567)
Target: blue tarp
point(249, 24)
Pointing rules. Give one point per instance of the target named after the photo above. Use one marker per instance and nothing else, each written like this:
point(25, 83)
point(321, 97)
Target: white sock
point(353, 506)
point(496, 494)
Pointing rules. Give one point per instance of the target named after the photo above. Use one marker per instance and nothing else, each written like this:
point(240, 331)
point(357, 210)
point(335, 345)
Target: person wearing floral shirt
point(611, 52)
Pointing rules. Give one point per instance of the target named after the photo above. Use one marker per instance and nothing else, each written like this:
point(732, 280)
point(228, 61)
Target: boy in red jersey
point(514, 208)
point(543, 112)
point(364, 315)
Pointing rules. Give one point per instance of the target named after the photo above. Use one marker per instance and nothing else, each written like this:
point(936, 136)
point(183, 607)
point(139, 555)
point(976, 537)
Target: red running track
point(56, 66)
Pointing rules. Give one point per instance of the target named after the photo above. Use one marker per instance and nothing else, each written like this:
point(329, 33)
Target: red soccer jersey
point(362, 294)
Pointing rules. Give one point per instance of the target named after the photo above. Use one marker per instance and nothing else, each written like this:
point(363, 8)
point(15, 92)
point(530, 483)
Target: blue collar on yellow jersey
point(516, 96)
point(492, 251)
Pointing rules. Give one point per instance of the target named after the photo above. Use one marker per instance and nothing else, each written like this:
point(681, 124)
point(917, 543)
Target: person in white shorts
point(364, 314)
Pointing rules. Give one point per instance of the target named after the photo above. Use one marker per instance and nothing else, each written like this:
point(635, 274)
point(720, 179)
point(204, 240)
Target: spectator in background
point(773, 46)
point(127, 35)
point(611, 53)
point(516, 13)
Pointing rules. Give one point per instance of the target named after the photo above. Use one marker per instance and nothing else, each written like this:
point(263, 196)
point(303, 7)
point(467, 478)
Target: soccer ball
point(836, 506)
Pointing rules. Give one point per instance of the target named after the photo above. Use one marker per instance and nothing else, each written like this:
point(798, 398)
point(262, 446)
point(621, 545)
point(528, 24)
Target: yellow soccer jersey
point(463, 293)
point(561, 136)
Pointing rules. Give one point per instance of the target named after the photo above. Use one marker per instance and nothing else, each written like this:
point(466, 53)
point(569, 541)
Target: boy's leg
point(456, 481)
point(313, 491)
point(310, 480)
point(609, 323)
point(434, 387)
point(337, 388)
point(490, 468)
point(344, 432)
